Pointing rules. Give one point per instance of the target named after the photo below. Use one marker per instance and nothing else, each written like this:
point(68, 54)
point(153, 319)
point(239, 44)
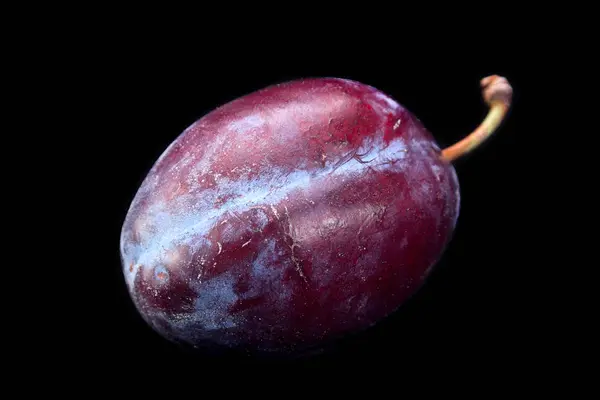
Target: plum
point(293, 215)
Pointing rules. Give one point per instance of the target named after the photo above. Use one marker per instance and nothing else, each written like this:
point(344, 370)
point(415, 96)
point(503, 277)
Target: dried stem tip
point(497, 93)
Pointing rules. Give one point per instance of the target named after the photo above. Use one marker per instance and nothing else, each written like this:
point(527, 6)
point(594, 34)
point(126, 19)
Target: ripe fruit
point(293, 215)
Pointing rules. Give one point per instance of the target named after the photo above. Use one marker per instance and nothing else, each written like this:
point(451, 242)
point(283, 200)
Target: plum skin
point(288, 217)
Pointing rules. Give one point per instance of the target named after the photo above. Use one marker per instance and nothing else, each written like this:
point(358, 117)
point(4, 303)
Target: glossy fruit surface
point(288, 217)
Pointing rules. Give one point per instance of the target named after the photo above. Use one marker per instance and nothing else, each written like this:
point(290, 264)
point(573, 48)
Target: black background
point(477, 310)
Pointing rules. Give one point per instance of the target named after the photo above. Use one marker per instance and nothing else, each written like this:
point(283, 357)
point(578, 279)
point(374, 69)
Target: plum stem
point(497, 93)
